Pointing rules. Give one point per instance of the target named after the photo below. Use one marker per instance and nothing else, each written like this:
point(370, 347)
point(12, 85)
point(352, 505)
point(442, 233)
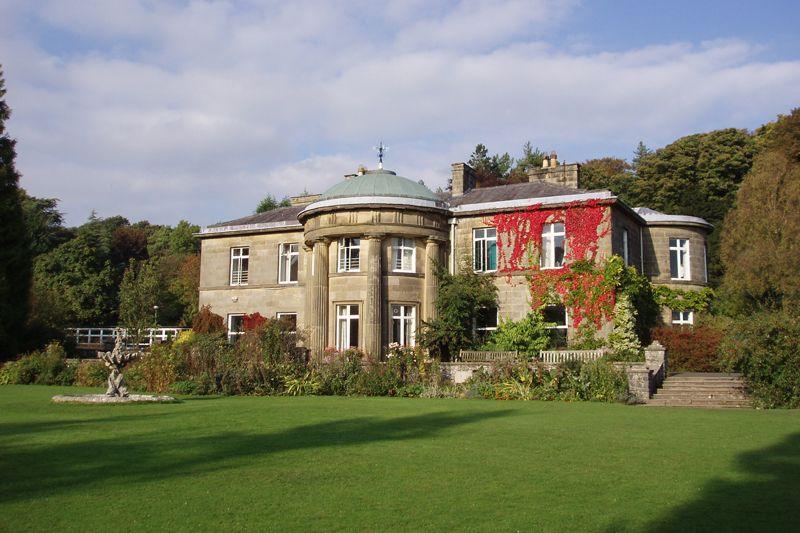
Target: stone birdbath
point(117, 391)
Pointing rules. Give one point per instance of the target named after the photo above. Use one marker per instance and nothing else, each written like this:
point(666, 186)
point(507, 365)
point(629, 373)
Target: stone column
point(431, 283)
point(373, 304)
point(317, 298)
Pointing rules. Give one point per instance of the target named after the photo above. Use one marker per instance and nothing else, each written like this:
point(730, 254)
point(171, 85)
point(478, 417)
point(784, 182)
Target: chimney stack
point(566, 175)
point(463, 178)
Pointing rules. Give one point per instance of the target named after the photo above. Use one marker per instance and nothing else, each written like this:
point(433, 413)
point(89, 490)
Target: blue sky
point(195, 110)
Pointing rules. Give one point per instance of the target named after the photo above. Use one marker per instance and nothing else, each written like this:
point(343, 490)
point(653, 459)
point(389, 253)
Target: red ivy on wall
point(586, 291)
point(251, 322)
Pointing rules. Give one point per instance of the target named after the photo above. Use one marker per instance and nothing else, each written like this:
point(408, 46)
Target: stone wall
point(263, 293)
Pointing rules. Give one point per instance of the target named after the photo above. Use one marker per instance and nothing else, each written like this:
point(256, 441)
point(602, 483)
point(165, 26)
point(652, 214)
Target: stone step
point(698, 403)
point(667, 396)
point(710, 386)
point(690, 388)
point(680, 379)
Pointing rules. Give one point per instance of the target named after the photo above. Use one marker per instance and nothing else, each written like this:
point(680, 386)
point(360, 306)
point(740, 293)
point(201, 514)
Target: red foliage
point(690, 349)
point(519, 236)
point(251, 322)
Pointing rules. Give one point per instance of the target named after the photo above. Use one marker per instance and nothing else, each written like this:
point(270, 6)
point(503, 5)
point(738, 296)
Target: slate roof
point(516, 191)
point(281, 214)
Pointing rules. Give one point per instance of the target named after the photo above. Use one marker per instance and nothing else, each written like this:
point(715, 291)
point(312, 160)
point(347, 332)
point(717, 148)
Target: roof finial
point(381, 149)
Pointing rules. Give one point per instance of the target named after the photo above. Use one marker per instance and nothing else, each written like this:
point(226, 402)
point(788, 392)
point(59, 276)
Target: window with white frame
point(556, 318)
point(484, 241)
point(485, 322)
point(289, 262)
point(235, 327)
point(679, 259)
point(553, 238)
point(240, 263)
point(289, 319)
point(404, 324)
point(349, 254)
point(346, 326)
point(682, 318)
point(625, 256)
point(403, 255)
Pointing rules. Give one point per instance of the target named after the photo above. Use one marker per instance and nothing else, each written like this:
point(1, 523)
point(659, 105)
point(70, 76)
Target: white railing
point(562, 356)
point(109, 335)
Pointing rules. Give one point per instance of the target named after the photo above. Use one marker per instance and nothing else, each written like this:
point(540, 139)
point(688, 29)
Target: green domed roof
point(379, 183)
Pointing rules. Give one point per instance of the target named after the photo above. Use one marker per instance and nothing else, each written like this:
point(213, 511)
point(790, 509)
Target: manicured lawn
point(358, 463)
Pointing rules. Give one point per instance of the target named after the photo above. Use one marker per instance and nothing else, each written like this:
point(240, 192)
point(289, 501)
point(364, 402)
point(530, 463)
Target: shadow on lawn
point(44, 470)
point(768, 499)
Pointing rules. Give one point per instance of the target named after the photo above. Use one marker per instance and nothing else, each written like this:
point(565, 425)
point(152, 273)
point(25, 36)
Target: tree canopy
point(269, 203)
point(761, 235)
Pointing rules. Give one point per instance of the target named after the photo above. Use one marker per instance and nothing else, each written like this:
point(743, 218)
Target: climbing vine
point(682, 300)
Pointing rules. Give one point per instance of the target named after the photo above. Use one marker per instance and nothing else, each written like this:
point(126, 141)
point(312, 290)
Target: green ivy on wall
point(683, 300)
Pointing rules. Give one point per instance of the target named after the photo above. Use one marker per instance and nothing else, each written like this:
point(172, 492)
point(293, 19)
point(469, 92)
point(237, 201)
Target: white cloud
point(197, 110)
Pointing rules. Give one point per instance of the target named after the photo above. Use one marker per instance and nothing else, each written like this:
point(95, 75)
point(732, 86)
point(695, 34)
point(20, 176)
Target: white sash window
point(240, 263)
point(679, 259)
point(349, 254)
point(553, 239)
point(289, 262)
point(403, 255)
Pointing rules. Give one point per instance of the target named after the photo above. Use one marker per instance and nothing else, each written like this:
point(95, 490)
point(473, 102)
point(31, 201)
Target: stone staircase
point(696, 389)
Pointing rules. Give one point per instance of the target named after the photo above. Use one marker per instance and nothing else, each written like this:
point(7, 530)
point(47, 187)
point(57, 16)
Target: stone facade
point(434, 231)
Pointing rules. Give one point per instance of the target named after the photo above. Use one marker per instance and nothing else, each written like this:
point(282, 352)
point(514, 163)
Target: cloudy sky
point(196, 109)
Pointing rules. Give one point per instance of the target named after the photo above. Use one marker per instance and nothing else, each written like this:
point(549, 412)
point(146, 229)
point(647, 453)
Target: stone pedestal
point(317, 298)
point(431, 283)
point(373, 304)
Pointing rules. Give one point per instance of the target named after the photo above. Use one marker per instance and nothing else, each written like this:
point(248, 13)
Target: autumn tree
point(761, 237)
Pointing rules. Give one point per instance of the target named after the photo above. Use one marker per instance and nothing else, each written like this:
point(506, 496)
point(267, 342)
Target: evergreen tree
point(623, 340)
point(269, 203)
point(639, 154)
point(15, 264)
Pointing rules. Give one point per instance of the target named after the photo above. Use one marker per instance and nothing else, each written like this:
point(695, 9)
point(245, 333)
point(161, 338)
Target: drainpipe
point(451, 261)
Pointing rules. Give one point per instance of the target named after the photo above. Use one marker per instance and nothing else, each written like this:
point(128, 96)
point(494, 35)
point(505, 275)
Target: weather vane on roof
point(381, 149)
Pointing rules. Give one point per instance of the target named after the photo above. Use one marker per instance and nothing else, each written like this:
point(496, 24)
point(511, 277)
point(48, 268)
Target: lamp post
point(155, 313)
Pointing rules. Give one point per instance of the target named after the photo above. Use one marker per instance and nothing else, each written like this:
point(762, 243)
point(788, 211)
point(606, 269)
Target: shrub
point(527, 336)
point(91, 374)
point(159, 368)
point(690, 349)
point(206, 321)
point(48, 367)
point(603, 382)
point(765, 348)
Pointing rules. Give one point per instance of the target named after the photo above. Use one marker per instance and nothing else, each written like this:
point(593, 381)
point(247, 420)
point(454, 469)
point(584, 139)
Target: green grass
point(382, 463)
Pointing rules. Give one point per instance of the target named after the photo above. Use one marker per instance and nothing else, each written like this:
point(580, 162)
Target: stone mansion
point(354, 266)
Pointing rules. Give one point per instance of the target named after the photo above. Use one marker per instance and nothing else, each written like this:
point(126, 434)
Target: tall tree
point(44, 223)
point(639, 154)
point(761, 236)
point(269, 203)
point(531, 159)
point(15, 265)
point(696, 175)
point(608, 173)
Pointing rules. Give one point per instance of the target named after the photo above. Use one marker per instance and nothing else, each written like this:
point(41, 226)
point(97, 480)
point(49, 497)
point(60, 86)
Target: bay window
point(679, 259)
point(403, 324)
point(682, 318)
point(346, 326)
point(349, 254)
point(403, 255)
